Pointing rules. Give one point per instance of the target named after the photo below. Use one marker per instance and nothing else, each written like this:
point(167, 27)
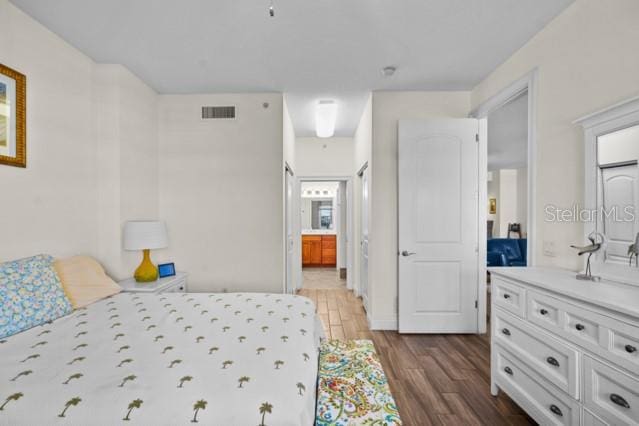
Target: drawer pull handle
point(543, 312)
point(506, 331)
point(552, 361)
point(619, 400)
point(509, 371)
point(630, 349)
point(580, 327)
point(556, 410)
point(506, 296)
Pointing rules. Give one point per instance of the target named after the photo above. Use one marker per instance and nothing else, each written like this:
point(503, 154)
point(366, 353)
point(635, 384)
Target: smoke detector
point(389, 71)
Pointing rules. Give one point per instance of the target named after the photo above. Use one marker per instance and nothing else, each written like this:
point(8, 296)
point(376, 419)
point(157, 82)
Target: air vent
point(217, 112)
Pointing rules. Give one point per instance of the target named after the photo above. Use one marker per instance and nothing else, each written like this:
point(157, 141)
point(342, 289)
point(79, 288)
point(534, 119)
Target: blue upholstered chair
point(506, 252)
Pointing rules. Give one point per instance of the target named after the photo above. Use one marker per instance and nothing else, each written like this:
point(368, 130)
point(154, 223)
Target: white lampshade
point(145, 234)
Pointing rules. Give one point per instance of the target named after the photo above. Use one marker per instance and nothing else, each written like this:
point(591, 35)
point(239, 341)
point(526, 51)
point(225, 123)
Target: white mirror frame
point(619, 116)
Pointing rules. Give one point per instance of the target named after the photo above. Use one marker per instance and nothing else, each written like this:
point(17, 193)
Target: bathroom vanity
point(319, 249)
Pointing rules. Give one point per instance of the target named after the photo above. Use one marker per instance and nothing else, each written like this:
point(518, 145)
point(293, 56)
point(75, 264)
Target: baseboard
point(382, 324)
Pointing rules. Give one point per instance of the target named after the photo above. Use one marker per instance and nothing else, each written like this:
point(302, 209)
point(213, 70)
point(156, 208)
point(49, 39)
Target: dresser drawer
point(578, 325)
point(543, 311)
point(611, 394)
point(624, 345)
point(508, 295)
point(538, 397)
point(179, 287)
point(556, 361)
point(590, 419)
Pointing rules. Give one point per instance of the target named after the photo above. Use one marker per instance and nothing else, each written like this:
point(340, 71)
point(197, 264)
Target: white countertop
point(318, 232)
point(616, 297)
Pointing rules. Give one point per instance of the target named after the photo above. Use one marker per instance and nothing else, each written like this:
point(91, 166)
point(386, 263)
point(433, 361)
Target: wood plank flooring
point(435, 379)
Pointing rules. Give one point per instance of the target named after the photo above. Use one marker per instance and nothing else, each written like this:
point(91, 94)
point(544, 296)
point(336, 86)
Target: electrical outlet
point(549, 249)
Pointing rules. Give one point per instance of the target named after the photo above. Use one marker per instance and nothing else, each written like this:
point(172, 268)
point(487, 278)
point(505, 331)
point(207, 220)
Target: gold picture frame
point(13, 117)
point(492, 205)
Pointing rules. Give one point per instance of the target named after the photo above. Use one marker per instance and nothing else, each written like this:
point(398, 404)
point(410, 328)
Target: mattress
point(167, 359)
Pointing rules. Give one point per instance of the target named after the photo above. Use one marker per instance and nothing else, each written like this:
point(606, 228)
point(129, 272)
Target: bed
point(174, 359)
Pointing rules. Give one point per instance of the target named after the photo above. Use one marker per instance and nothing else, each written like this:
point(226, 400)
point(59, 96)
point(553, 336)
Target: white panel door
point(363, 273)
point(438, 230)
point(290, 245)
point(619, 193)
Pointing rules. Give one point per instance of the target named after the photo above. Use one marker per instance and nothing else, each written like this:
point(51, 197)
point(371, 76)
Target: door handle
point(406, 253)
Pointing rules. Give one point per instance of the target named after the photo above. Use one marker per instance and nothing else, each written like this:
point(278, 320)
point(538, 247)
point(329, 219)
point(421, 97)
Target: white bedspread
point(220, 359)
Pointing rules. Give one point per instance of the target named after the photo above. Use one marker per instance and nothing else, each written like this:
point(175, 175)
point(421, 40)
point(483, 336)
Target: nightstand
point(175, 284)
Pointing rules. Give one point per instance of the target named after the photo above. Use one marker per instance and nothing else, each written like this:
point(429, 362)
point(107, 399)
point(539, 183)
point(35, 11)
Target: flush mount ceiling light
point(389, 71)
point(325, 118)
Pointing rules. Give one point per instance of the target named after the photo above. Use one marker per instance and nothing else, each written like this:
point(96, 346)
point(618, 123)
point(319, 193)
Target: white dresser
point(566, 351)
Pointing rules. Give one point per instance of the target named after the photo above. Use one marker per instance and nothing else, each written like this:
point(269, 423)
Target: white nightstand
point(175, 284)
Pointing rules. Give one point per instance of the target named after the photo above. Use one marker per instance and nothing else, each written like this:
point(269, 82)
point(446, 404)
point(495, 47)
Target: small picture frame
point(166, 270)
point(492, 205)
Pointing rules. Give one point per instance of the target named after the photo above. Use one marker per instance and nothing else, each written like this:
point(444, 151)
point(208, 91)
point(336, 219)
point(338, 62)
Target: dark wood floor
point(435, 379)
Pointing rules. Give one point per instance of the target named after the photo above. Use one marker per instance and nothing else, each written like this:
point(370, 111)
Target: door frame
point(297, 226)
point(527, 83)
point(289, 175)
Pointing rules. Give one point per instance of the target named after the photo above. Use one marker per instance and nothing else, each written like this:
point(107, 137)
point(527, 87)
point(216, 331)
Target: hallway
point(436, 379)
point(322, 278)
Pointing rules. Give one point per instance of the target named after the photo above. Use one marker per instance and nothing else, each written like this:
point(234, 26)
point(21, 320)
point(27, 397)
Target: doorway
point(325, 227)
point(518, 100)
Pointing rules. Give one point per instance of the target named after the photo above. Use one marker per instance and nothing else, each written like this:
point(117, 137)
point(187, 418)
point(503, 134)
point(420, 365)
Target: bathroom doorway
point(324, 233)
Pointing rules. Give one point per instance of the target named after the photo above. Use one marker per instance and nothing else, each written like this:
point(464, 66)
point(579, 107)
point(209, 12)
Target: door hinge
point(476, 304)
point(476, 137)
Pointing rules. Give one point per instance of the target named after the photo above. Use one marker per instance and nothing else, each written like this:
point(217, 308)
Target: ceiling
point(311, 47)
point(508, 135)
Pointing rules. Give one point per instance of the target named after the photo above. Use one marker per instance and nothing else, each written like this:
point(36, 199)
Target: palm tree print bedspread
point(168, 359)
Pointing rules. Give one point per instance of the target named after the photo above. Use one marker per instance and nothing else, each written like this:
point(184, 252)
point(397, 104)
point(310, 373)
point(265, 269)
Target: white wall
point(91, 156)
point(51, 206)
point(127, 161)
point(618, 147)
point(493, 192)
point(507, 200)
point(324, 157)
point(388, 108)
point(586, 62)
point(221, 191)
point(522, 199)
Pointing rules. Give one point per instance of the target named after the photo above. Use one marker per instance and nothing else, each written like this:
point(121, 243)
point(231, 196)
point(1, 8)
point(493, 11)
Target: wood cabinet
point(319, 250)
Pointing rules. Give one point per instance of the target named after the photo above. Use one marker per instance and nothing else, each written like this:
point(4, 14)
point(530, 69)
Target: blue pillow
point(30, 294)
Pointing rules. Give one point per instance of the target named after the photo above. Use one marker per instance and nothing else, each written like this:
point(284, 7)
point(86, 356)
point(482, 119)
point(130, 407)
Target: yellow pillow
point(84, 280)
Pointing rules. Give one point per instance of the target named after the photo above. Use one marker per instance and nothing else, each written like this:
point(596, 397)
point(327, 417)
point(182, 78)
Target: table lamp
point(145, 235)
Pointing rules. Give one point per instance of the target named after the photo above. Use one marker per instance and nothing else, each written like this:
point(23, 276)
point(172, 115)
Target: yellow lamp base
point(147, 271)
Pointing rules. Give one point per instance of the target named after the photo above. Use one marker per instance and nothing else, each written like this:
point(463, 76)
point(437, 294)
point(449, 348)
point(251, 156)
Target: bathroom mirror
point(611, 199)
point(317, 213)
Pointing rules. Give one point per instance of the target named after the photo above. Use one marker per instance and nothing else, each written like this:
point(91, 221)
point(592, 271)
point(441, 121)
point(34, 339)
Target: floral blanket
point(352, 387)
point(168, 359)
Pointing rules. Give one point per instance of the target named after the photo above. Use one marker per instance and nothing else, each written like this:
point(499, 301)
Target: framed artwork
point(492, 205)
point(13, 126)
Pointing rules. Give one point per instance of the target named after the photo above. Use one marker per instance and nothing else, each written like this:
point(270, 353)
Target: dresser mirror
point(611, 199)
